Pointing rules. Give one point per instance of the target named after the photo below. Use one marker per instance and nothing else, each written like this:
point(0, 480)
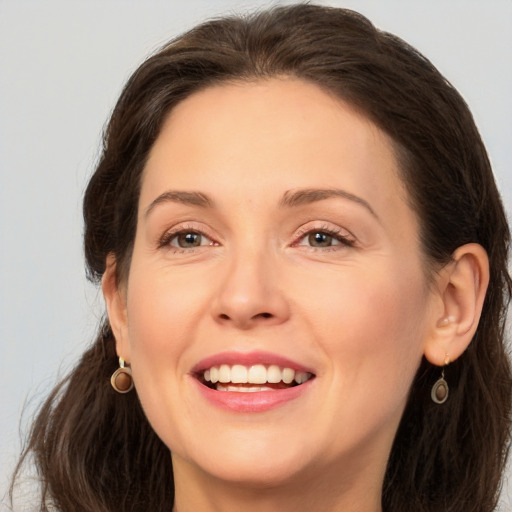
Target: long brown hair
point(95, 450)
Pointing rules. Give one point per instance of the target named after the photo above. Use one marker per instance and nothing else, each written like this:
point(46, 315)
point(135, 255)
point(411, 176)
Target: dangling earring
point(440, 389)
point(122, 380)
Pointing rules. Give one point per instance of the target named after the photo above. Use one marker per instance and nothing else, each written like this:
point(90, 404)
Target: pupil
point(320, 240)
point(189, 240)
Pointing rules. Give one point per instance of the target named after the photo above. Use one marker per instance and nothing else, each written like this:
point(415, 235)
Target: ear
point(461, 286)
point(115, 300)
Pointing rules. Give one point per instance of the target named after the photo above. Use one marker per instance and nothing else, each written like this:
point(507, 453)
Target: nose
point(250, 295)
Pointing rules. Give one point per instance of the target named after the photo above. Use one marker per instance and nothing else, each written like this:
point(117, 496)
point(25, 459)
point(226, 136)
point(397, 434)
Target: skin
point(357, 311)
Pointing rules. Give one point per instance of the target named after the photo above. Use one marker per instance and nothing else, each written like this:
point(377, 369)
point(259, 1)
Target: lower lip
point(258, 401)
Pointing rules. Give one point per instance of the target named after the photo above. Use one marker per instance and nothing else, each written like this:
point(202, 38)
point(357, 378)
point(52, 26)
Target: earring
point(122, 380)
point(440, 389)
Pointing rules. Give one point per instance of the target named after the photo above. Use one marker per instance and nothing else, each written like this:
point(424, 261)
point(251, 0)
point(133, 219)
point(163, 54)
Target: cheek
point(371, 334)
point(163, 309)
point(371, 326)
point(163, 312)
point(162, 303)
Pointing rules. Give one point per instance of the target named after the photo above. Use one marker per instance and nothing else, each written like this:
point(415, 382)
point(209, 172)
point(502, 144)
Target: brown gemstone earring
point(440, 389)
point(122, 380)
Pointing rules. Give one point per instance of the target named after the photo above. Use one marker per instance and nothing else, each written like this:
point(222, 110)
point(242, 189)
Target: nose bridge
point(250, 293)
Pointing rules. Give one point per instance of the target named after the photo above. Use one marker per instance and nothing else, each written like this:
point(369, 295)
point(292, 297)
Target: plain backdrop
point(62, 66)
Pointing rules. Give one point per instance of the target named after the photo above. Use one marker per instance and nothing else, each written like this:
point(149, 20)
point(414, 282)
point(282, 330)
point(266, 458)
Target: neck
point(336, 490)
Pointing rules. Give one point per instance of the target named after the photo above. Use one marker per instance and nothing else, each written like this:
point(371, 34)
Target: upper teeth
point(255, 374)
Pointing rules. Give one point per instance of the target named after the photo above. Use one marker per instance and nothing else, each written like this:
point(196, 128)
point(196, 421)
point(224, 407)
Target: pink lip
point(248, 359)
point(259, 401)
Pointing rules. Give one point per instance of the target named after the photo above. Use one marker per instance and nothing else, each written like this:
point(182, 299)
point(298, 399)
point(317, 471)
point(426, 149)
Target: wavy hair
point(95, 450)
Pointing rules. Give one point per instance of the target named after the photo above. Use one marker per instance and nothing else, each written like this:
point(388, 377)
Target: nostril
point(246, 320)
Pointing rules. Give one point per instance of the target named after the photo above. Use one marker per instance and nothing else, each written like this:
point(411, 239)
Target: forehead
point(281, 133)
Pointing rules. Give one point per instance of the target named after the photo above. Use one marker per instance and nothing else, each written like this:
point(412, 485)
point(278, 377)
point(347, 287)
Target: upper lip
point(249, 359)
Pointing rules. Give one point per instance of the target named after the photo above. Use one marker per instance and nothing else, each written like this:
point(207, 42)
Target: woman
point(303, 256)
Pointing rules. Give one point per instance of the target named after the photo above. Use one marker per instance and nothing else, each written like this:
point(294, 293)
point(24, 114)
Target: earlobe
point(462, 285)
point(115, 300)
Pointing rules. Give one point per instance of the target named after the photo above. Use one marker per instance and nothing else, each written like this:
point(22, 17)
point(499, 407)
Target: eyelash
point(344, 239)
point(342, 236)
point(167, 238)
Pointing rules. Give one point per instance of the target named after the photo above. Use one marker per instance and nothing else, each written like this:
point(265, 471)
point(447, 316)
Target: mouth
point(251, 379)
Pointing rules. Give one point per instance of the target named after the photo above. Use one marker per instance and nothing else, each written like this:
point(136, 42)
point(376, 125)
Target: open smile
point(249, 382)
point(254, 378)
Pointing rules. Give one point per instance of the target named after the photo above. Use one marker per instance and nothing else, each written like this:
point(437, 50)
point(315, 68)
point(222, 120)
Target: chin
point(255, 463)
point(255, 472)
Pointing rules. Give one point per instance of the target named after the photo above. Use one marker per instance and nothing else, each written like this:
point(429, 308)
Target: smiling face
point(275, 251)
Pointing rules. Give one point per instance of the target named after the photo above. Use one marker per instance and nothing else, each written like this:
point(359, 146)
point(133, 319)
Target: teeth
point(238, 374)
point(274, 374)
point(288, 375)
point(301, 377)
point(255, 374)
point(243, 389)
point(224, 373)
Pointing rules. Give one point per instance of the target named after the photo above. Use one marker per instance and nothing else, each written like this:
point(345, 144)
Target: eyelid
point(344, 236)
point(165, 239)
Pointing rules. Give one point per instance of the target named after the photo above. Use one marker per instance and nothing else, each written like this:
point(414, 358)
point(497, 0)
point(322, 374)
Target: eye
point(188, 240)
point(321, 239)
point(181, 240)
point(324, 238)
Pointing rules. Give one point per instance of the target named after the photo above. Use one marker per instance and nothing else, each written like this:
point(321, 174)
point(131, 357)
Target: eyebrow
point(178, 196)
point(311, 195)
point(290, 198)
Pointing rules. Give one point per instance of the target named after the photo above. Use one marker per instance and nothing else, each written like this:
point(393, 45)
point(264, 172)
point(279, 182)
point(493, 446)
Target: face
point(275, 253)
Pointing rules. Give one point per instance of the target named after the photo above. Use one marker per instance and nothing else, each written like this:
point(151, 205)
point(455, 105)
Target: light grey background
point(62, 66)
